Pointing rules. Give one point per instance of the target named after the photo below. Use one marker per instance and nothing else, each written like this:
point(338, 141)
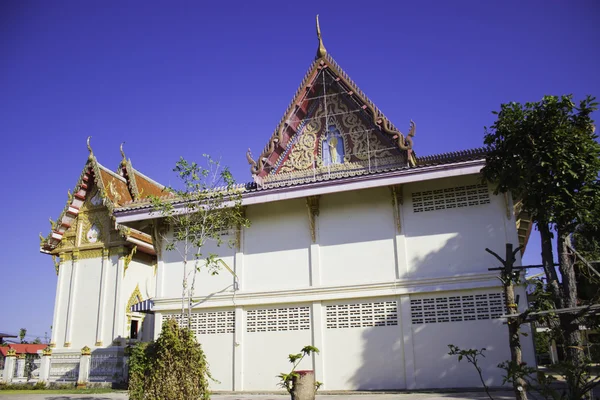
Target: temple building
point(357, 246)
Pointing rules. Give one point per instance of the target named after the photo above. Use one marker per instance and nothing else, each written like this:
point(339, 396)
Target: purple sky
point(184, 78)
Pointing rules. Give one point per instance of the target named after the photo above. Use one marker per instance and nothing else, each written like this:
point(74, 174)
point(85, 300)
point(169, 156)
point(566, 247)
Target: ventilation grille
point(362, 315)
point(207, 323)
point(456, 197)
point(278, 319)
point(457, 308)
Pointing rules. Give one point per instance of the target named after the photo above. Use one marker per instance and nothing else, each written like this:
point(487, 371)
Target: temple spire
point(321, 51)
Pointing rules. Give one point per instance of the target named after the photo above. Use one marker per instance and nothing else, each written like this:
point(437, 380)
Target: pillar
point(84, 367)
point(45, 365)
point(399, 237)
point(312, 205)
point(318, 342)
point(238, 350)
point(407, 342)
point(72, 292)
point(118, 329)
point(20, 366)
point(9, 366)
point(60, 289)
point(103, 273)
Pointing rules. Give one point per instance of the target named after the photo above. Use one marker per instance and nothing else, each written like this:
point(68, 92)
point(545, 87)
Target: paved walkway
point(350, 396)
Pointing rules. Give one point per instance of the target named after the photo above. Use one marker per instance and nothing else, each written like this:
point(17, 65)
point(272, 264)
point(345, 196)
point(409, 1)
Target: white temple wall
point(276, 247)
point(451, 240)
point(279, 330)
point(87, 298)
point(356, 237)
point(206, 283)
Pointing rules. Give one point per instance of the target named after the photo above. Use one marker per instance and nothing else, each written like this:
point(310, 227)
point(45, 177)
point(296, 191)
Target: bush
point(171, 368)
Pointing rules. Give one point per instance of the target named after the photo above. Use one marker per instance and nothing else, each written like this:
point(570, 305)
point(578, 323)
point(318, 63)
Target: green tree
point(22, 334)
point(207, 209)
point(546, 154)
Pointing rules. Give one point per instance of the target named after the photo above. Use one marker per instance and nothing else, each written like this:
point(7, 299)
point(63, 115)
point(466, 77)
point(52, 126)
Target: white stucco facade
point(381, 301)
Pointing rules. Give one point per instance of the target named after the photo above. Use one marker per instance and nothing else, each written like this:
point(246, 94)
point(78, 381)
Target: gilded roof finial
point(89, 147)
point(122, 152)
point(321, 51)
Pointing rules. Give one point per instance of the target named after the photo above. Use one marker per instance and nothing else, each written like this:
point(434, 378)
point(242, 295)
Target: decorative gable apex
point(330, 127)
point(97, 193)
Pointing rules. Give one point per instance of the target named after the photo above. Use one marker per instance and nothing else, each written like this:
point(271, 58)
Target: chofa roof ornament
point(89, 147)
point(321, 51)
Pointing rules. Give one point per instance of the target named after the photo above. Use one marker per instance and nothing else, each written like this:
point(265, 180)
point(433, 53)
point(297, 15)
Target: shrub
point(173, 367)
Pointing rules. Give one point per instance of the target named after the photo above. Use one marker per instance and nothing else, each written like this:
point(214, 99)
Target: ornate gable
point(87, 219)
point(330, 127)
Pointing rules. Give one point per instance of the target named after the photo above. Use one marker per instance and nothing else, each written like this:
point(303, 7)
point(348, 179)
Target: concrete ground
point(340, 396)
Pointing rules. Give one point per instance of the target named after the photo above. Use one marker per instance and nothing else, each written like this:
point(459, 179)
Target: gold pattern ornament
point(136, 297)
point(115, 195)
point(302, 155)
point(21, 356)
point(11, 353)
point(86, 351)
point(47, 351)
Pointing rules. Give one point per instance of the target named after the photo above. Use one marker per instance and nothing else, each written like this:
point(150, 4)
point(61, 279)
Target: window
point(455, 197)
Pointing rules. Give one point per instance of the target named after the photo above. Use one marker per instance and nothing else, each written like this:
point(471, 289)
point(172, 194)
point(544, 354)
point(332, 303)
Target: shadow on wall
point(382, 360)
point(382, 364)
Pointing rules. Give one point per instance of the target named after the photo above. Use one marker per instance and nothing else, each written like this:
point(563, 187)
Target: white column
point(101, 306)
point(72, 293)
point(157, 325)
point(402, 269)
point(84, 367)
point(20, 366)
point(238, 349)
point(60, 287)
point(315, 265)
point(119, 320)
point(160, 277)
point(408, 345)
point(314, 250)
point(318, 342)
point(238, 261)
point(45, 366)
point(9, 368)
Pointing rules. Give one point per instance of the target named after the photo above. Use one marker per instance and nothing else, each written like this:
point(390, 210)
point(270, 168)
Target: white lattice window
point(278, 319)
point(456, 197)
point(382, 313)
point(457, 308)
point(207, 322)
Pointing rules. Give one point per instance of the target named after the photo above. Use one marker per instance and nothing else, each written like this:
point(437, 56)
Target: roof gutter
point(123, 216)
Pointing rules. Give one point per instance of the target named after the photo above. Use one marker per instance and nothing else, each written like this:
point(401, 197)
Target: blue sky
point(184, 78)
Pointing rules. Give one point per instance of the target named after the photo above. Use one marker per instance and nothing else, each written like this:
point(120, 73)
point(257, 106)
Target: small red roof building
point(24, 348)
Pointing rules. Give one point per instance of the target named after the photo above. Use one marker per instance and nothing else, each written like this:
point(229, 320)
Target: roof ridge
point(474, 152)
point(113, 174)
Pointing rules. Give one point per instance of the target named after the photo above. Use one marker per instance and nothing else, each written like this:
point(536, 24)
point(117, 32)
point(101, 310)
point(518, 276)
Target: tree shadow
point(416, 356)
